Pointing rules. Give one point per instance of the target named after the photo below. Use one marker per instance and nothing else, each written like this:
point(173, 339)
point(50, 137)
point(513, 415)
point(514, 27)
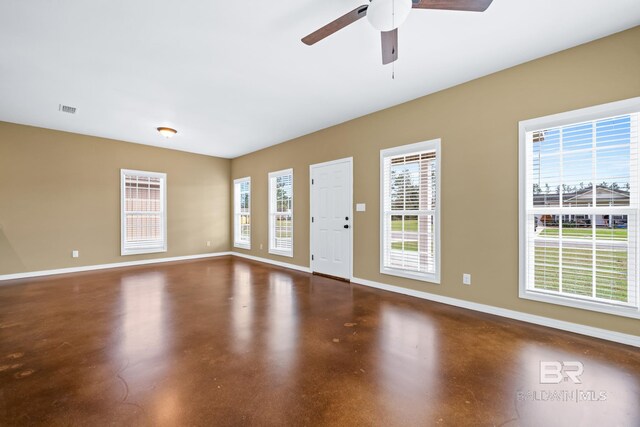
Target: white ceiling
point(233, 76)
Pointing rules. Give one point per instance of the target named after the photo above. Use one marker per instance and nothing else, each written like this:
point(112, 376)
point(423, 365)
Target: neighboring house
point(604, 196)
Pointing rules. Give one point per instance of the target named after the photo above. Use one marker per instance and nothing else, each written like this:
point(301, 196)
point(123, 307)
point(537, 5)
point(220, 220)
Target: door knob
point(346, 226)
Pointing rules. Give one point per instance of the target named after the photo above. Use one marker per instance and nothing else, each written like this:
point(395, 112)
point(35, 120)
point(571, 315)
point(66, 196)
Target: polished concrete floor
point(232, 342)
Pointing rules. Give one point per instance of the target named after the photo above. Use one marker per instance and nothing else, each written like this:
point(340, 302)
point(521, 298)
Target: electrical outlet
point(75, 254)
point(208, 243)
point(466, 279)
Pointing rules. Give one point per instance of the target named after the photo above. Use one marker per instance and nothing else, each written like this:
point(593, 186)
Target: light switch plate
point(361, 207)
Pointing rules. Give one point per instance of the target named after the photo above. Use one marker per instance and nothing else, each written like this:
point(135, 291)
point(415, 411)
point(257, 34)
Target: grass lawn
point(601, 233)
point(409, 245)
point(409, 225)
point(282, 228)
point(577, 277)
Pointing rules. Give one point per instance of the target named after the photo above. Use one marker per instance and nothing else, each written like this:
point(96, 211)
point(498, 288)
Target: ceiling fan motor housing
point(387, 15)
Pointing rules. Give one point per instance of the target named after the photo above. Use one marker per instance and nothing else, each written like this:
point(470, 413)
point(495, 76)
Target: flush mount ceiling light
point(167, 132)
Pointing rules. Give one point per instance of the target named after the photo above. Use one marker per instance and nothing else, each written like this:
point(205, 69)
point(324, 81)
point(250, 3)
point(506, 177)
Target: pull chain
point(393, 24)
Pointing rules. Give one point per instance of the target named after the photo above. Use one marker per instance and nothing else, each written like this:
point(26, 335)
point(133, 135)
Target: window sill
point(431, 278)
point(288, 254)
point(246, 246)
point(142, 251)
point(581, 304)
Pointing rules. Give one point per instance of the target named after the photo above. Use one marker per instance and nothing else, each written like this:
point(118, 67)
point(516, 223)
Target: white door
point(331, 234)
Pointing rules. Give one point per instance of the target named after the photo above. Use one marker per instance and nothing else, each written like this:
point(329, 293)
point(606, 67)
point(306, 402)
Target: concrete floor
point(233, 342)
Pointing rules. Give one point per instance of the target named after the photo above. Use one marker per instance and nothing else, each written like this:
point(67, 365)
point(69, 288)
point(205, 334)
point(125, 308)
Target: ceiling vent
point(66, 109)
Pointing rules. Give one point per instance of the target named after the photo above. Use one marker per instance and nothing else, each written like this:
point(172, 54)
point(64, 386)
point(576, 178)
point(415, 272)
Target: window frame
point(124, 250)
point(237, 213)
point(430, 145)
point(272, 202)
point(598, 112)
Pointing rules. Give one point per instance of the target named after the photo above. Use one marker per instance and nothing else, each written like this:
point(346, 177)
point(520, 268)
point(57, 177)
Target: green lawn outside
point(281, 232)
point(601, 233)
point(409, 225)
point(409, 245)
point(577, 278)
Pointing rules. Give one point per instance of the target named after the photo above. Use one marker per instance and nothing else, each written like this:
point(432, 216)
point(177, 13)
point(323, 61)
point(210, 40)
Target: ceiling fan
point(387, 15)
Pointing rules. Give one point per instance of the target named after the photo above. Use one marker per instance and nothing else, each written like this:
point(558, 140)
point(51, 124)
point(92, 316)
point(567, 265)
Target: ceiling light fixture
point(167, 132)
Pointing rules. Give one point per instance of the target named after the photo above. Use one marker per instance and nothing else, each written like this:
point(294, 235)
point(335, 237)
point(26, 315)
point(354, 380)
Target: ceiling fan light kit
point(387, 15)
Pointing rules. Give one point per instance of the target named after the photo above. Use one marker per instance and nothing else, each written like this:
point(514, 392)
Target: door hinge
point(312, 181)
point(311, 257)
point(312, 219)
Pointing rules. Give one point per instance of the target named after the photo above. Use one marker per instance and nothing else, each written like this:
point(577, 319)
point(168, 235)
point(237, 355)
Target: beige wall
point(61, 191)
point(478, 125)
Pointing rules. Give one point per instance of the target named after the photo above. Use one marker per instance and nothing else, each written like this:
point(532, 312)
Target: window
point(281, 213)
point(579, 208)
point(242, 213)
point(144, 213)
point(410, 222)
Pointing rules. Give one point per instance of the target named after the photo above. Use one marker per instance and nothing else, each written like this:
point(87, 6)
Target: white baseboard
point(270, 261)
point(41, 273)
point(29, 274)
point(590, 331)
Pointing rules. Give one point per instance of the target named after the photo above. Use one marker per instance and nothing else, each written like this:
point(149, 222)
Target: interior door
point(331, 204)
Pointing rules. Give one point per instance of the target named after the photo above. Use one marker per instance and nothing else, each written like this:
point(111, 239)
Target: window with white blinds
point(242, 213)
point(410, 211)
point(281, 212)
point(143, 216)
point(580, 211)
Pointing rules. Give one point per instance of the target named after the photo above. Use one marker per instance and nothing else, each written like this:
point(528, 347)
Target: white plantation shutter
point(581, 213)
point(281, 212)
point(242, 213)
point(410, 211)
point(143, 218)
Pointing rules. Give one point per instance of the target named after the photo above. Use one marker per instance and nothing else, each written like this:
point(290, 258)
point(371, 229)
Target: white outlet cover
point(361, 207)
point(75, 254)
point(466, 279)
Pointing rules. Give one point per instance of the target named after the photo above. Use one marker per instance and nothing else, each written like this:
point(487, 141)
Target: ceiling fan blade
point(389, 46)
point(465, 5)
point(338, 24)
